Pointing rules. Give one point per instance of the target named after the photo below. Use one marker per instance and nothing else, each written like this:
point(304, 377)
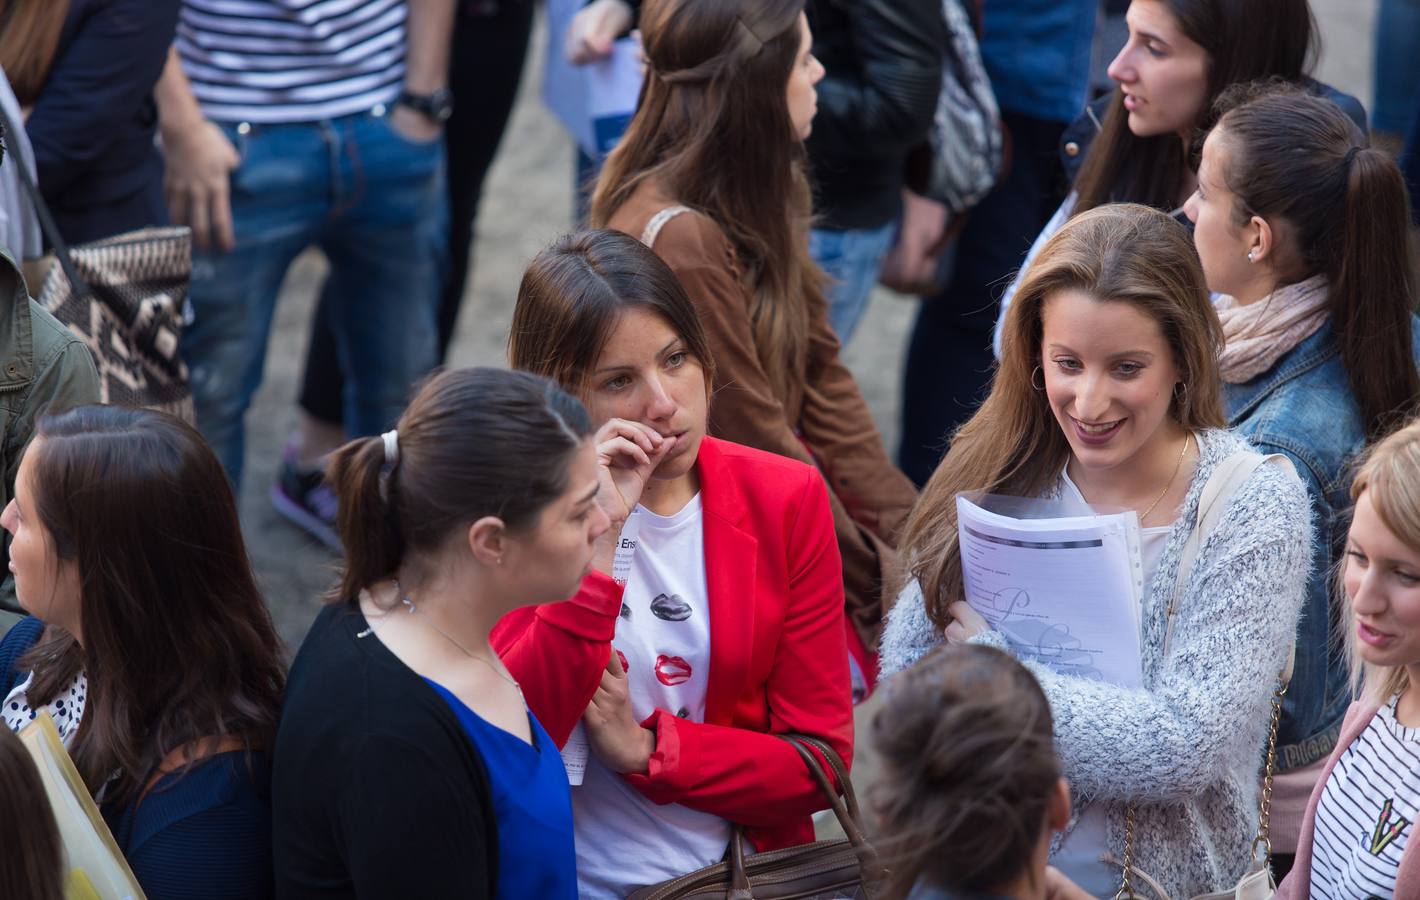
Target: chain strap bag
point(843, 869)
point(1257, 882)
point(123, 297)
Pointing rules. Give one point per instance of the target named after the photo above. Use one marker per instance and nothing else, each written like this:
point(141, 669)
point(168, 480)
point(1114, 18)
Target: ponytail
point(364, 520)
point(1372, 291)
point(473, 443)
point(1297, 158)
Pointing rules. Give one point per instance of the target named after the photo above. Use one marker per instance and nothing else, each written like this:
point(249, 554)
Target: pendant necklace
point(1177, 466)
point(414, 610)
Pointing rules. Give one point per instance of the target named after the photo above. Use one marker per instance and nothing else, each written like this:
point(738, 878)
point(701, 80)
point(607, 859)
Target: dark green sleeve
point(65, 377)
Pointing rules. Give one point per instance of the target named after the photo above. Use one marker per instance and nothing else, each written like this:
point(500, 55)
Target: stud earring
point(1252, 256)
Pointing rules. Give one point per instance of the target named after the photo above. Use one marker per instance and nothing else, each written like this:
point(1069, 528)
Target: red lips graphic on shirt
point(672, 670)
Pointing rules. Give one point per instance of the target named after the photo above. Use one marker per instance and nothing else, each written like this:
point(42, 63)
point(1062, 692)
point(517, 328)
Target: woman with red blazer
point(712, 619)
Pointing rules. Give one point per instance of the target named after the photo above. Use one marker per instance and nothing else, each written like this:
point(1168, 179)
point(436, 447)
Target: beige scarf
point(1257, 335)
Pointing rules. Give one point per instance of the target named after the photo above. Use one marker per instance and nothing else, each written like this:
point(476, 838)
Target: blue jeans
point(853, 260)
point(374, 202)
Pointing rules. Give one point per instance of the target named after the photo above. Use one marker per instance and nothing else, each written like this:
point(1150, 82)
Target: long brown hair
point(1300, 159)
point(1245, 40)
point(178, 645)
point(1013, 445)
point(473, 443)
point(713, 127)
point(32, 865)
point(969, 767)
point(574, 292)
point(29, 37)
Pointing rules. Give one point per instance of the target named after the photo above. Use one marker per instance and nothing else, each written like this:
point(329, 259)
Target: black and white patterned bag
point(128, 311)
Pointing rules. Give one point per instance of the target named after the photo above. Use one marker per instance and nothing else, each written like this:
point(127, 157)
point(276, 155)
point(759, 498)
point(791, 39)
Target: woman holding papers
point(719, 585)
point(148, 645)
point(408, 763)
point(1357, 834)
point(1303, 231)
point(711, 175)
point(1108, 394)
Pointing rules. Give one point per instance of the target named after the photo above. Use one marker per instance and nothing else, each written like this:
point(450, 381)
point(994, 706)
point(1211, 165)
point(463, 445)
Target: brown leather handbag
point(844, 869)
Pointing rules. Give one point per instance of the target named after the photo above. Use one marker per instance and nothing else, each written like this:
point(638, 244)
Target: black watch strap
point(438, 105)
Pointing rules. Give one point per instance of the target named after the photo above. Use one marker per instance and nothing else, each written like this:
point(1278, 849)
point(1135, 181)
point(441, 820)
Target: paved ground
point(527, 203)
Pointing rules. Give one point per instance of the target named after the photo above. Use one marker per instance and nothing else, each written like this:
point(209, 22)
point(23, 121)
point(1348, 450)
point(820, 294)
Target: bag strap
point(186, 754)
point(658, 221)
point(1229, 476)
point(841, 799)
point(1227, 479)
point(46, 221)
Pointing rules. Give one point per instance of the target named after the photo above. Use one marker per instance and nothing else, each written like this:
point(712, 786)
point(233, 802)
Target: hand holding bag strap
point(46, 221)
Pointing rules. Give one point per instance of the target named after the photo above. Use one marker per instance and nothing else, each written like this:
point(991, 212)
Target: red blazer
point(778, 654)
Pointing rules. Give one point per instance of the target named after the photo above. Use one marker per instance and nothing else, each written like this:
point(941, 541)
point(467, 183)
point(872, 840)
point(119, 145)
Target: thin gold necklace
point(414, 610)
point(1176, 467)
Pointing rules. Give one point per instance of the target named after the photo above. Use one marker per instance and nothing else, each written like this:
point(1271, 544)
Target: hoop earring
point(1041, 386)
point(1180, 393)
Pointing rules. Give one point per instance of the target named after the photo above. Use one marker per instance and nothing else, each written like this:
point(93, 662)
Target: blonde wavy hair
point(1391, 472)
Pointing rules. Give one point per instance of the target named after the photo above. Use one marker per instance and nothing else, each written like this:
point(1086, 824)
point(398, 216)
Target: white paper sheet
point(1064, 591)
point(593, 102)
point(575, 753)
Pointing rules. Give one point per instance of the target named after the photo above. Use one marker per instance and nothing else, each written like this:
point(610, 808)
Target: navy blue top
point(533, 803)
point(92, 127)
point(206, 834)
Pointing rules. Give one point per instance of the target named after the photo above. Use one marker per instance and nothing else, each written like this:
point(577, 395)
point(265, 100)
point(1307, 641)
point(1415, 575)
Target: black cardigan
point(376, 789)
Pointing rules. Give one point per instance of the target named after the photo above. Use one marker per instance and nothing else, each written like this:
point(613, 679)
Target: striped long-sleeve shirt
point(292, 60)
point(1367, 812)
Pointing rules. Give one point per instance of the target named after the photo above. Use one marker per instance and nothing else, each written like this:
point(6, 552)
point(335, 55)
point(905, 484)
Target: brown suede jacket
point(830, 428)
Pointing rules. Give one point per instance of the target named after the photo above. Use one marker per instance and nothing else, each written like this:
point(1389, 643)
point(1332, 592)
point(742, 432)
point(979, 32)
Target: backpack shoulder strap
point(658, 221)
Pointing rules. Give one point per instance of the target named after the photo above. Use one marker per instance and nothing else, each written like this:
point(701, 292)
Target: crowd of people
point(597, 610)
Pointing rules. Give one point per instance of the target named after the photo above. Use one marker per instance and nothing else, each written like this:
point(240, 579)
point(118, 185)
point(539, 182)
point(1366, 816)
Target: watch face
point(441, 105)
point(438, 106)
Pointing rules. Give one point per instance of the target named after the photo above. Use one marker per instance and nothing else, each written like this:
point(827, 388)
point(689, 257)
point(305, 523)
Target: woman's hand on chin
point(617, 739)
point(966, 623)
point(628, 453)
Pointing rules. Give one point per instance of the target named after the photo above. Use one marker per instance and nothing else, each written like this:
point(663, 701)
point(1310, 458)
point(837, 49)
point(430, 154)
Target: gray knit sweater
point(1189, 748)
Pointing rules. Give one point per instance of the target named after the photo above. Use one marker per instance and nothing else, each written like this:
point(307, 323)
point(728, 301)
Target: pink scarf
point(1257, 335)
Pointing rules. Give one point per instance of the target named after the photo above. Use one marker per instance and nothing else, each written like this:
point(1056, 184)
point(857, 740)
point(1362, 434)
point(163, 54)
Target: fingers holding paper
point(966, 623)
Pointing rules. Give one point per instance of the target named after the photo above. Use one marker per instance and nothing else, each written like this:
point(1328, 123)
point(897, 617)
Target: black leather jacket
point(884, 69)
point(884, 64)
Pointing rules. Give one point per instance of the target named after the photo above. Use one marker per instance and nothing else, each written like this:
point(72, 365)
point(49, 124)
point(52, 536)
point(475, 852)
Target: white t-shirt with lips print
point(624, 840)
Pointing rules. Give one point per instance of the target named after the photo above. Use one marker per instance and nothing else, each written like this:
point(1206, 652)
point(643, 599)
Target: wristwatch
point(438, 106)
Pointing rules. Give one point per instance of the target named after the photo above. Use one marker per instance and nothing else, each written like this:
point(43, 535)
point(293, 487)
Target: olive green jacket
point(44, 369)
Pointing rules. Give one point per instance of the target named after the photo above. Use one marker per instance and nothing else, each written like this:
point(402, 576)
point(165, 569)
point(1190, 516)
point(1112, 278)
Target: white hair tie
point(391, 439)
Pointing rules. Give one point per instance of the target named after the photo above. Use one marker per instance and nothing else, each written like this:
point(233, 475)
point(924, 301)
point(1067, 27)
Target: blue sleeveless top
point(533, 803)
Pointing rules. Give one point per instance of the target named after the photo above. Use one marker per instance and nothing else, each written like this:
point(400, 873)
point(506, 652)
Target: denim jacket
point(1303, 407)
